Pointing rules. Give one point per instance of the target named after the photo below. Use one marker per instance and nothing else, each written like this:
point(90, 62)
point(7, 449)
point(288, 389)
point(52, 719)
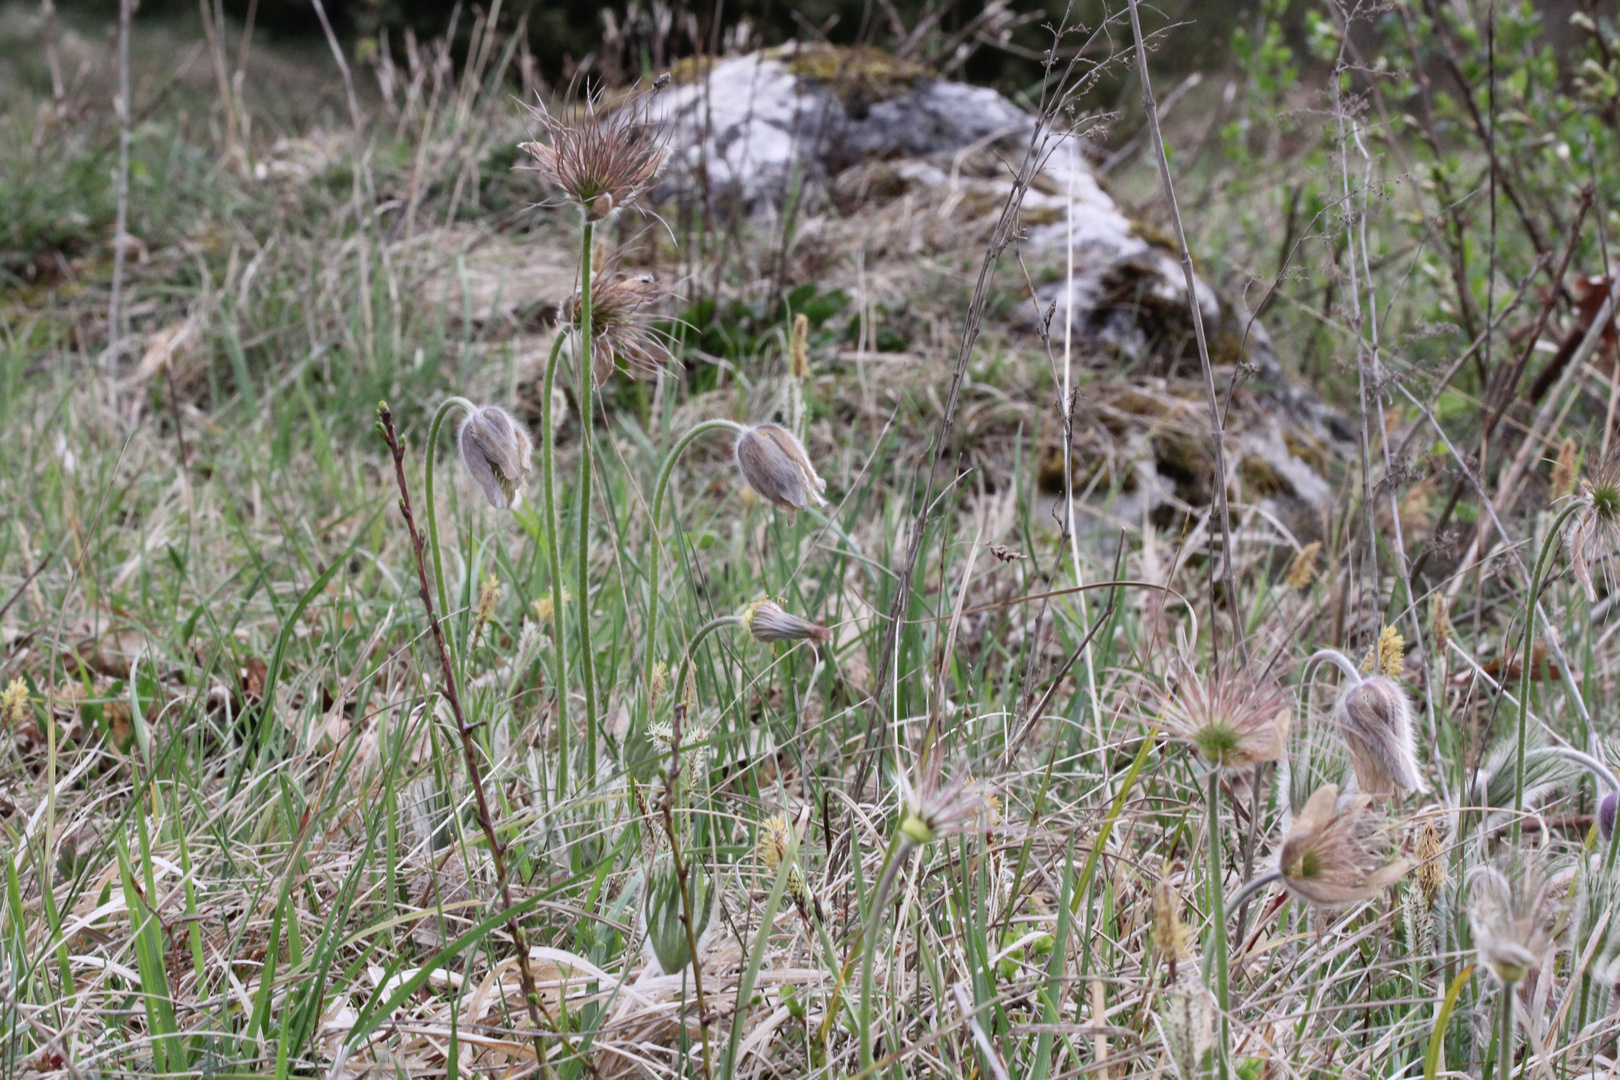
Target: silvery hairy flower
point(775, 465)
point(1594, 534)
point(1375, 718)
point(622, 330)
point(1509, 910)
point(496, 451)
point(765, 620)
point(603, 160)
point(1232, 720)
point(1334, 854)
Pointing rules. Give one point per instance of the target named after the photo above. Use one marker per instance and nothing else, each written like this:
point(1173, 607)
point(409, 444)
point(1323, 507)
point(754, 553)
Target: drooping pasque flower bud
point(1375, 718)
point(775, 465)
point(496, 451)
point(765, 620)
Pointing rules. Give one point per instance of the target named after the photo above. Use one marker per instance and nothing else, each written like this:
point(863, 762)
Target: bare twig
point(1216, 433)
point(469, 748)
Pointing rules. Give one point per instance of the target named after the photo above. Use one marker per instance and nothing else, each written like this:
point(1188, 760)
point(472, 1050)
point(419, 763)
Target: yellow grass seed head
point(14, 702)
point(799, 347)
point(1388, 656)
point(1302, 568)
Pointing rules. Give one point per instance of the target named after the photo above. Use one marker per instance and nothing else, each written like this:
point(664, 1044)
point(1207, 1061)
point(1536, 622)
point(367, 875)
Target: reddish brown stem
point(469, 749)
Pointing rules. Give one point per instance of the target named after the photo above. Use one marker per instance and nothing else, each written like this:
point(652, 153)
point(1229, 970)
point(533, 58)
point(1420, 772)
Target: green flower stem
point(1217, 919)
point(719, 622)
point(432, 513)
point(548, 495)
point(582, 591)
point(1540, 571)
point(1504, 1048)
point(656, 547)
point(900, 849)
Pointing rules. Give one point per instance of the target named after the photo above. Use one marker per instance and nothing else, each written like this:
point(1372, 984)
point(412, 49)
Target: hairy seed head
point(602, 161)
point(1231, 719)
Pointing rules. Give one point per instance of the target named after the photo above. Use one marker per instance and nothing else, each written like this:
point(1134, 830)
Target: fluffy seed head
point(623, 335)
point(1594, 534)
point(1231, 719)
point(496, 451)
point(768, 623)
point(1334, 853)
point(1375, 719)
point(1510, 909)
point(928, 814)
point(775, 465)
point(602, 161)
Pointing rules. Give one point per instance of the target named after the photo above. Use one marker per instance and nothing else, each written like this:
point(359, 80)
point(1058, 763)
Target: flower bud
point(768, 623)
point(1376, 721)
point(1605, 815)
point(776, 466)
point(661, 904)
point(496, 451)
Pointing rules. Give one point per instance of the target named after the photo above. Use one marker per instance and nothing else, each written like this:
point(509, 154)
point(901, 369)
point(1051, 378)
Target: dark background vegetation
point(564, 34)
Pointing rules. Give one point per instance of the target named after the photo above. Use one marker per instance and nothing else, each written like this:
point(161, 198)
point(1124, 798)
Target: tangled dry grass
point(685, 790)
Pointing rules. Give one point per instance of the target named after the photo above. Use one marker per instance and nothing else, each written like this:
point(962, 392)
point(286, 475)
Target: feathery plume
point(1509, 910)
point(602, 161)
point(1332, 854)
point(1594, 535)
point(1231, 719)
point(496, 451)
point(622, 325)
point(775, 465)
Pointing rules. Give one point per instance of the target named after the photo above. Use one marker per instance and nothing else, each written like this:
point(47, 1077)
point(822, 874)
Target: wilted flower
point(1594, 535)
point(602, 162)
point(927, 814)
point(1508, 911)
point(1375, 719)
point(1231, 719)
point(663, 909)
point(1333, 853)
point(622, 333)
point(775, 465)
point(496, 451)
point(768, 623)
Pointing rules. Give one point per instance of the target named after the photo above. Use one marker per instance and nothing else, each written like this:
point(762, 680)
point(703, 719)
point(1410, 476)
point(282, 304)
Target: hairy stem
point(582, 591)
point(655, 548)
point(1217, 917)
point(548, 495)
point(432, 513)
point(899, 851)
point(1539, 572)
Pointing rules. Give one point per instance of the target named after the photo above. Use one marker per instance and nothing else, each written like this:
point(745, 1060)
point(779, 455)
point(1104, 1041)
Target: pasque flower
point(1231, 719)
point(767, 622)
point(1509, 913)
point(603, 160)
point(1594, 535)
point(622, 333)
point(1374, 716)
point(1334, 853)
point(496, 451)
point(775, 465)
